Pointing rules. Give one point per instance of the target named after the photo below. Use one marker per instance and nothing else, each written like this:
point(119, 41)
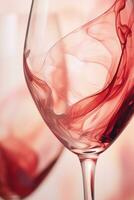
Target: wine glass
point(79, 68)
point(24, 157)
point(25, 160)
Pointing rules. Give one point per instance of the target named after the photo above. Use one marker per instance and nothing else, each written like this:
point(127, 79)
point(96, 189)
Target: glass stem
point(88, 171)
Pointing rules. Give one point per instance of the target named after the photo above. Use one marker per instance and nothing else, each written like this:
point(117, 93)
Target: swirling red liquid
point(86, 89)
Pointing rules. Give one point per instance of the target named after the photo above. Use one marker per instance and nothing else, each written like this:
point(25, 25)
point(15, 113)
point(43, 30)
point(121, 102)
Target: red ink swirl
point(86, 95)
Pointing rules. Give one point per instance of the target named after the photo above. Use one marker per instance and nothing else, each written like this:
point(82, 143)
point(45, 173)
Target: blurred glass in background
point(27, 148)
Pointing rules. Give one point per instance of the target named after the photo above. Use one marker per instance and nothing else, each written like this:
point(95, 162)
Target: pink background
point(115, 169)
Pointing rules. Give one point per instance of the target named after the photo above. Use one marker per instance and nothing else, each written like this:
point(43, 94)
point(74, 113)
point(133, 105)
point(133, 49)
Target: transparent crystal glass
point(79, 68)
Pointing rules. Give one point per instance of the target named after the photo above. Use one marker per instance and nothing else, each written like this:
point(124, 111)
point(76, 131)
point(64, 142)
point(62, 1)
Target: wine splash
point(86, 89)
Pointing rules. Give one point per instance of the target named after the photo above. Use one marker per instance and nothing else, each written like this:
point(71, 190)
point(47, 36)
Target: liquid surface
point(85, 88)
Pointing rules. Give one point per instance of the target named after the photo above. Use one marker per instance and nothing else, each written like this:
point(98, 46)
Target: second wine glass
point(79, 67)
point(28, 149)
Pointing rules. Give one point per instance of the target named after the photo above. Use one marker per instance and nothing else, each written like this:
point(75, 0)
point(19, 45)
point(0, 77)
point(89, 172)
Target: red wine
point(19, 166)
point(85, 92)
point(27, 155)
